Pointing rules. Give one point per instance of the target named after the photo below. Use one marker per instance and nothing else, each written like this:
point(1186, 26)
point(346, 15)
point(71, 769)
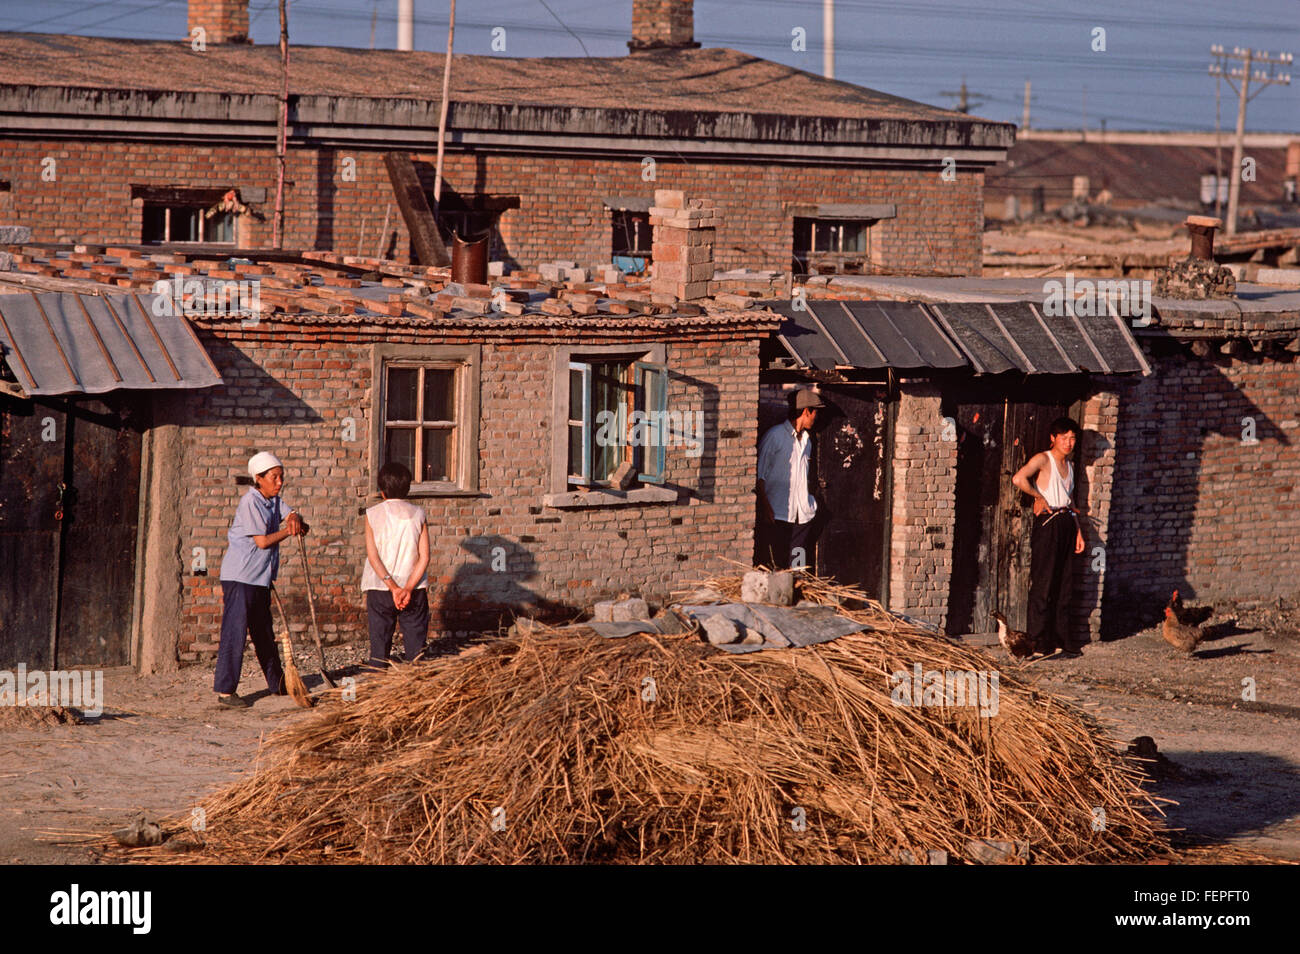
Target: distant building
point(122, 141)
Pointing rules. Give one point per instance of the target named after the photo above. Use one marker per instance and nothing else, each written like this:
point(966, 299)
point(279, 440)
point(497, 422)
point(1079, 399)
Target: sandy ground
point(162, 742)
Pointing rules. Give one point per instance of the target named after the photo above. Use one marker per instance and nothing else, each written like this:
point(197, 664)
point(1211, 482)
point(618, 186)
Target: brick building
point(112, 141)
point(1189, 475)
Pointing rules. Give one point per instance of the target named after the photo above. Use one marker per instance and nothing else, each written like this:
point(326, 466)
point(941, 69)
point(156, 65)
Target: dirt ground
point(162, 742)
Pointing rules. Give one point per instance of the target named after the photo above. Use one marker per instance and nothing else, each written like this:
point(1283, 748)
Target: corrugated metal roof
point(865, 334)
point(988, 338)
point(63, 343)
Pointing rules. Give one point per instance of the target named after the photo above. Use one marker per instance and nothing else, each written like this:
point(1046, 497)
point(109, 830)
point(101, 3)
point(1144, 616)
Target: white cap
point(261, 462)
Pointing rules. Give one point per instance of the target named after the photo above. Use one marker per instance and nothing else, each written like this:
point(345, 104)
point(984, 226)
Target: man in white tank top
point(397, 554)
point(1049, 479)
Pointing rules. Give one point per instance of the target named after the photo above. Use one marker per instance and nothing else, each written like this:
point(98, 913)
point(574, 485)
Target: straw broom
point(292, 681)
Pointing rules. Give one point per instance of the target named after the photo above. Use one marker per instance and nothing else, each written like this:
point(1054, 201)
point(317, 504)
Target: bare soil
point(162, 742)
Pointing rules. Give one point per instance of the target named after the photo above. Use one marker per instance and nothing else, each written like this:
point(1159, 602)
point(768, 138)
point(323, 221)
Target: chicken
point(1189, 615)
point(1182, 636)
point(1018, 644)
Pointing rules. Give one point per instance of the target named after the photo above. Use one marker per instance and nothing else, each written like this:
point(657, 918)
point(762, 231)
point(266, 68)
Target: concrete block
point(6, 262)
point(575, 274)
point(780, 588)
point(14, 234)
point(550, 272)
point(754, 586)
point(496, 269)
point(625, 611)
point(604, 612)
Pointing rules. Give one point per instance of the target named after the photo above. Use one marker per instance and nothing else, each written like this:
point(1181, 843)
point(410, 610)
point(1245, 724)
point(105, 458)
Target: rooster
point(1018, 644)
point(1189, 616)
point(1182, 636)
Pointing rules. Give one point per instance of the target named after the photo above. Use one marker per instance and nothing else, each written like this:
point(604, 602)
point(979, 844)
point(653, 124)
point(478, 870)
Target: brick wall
point(1195, 505)
point(289, 390)
point(1094, 492)
point(924, 507)
point(333, 204)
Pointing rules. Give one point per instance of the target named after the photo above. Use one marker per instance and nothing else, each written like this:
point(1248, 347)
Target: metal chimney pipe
point(1202, 228)
point(469, 260)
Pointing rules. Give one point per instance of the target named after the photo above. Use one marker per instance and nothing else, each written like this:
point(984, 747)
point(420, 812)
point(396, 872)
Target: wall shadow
point(488, 591)
point(1158, 480)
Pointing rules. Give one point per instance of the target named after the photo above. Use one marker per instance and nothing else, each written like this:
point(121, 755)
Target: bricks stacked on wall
point(291, 388)
point(562, 214)
point(685, 232)
point(1197, 504)
point(924, 506)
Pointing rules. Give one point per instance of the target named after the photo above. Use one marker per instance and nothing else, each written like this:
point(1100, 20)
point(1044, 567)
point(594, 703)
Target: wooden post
point(442, 118)
point(283, 130)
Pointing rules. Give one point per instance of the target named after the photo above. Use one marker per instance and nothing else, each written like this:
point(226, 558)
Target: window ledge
point(609, 498)
point(448, 492)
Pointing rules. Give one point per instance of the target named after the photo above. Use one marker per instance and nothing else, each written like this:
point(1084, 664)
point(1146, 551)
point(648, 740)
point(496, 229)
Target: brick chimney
point(662, 25)
point(224, 21)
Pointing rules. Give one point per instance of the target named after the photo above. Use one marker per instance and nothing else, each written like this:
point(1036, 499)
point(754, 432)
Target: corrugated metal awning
point(1007, 336)
point(989, 338)
point(63, 343)
point(865, 334)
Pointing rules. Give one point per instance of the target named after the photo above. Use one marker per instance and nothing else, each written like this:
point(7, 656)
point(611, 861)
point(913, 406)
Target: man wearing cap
point(248, 569)
point(785, 505)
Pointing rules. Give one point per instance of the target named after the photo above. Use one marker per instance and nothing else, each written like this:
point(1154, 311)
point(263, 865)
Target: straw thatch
point(558, 747)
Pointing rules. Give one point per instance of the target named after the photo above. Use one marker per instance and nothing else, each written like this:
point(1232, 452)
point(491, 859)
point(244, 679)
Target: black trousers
point(246, 611)
point(382, 613)
point(1051, 573)
point(791, 543)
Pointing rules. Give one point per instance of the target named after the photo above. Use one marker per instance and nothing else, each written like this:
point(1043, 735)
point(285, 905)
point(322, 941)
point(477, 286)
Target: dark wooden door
point(99, 537)
point(853, 486)
point(69, 508)
point(997, 434)
point(32, 446)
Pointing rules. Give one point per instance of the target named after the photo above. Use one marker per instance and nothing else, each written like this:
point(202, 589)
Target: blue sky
point(1151, 76)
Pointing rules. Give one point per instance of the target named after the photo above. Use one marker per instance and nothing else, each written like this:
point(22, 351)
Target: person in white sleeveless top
point(393, 579)
point(1049, 479)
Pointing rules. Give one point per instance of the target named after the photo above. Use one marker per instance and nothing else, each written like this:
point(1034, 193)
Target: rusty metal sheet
point(63, 343)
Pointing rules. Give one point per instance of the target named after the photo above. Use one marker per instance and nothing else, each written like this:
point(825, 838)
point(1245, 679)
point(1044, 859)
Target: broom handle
point(284, 627)
point(311, 600)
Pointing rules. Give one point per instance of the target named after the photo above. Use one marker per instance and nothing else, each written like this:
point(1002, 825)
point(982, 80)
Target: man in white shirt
point(786, 506)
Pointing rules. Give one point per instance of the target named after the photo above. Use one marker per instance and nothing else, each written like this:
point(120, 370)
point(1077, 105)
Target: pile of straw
point(563, 747)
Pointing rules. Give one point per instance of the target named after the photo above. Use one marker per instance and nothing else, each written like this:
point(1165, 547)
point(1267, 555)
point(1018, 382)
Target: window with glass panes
point(605, 398)
point(420, 420)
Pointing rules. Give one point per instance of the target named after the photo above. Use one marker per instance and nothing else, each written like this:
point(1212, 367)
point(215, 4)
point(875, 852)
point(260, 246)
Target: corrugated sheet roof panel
point(69, 344)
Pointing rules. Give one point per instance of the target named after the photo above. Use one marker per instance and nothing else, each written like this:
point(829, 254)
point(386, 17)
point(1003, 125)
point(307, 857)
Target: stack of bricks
point(685, 232)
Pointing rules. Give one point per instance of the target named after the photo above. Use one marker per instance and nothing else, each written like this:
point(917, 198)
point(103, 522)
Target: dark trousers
point(1050, 581)
point(246, 611)
point(783, 539)
point(382, 613)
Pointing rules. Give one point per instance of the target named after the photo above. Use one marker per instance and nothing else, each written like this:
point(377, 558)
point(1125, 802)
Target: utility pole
point(406, 24)
point(442, 118)
point(1245, 73)
point(1083, 129)
point(282, 132)
point(1025, 122)
point(964, 97)
point(828, 39)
